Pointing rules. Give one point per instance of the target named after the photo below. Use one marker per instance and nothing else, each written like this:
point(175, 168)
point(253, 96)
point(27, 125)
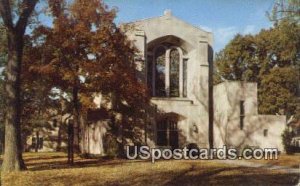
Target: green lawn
point(52, 169)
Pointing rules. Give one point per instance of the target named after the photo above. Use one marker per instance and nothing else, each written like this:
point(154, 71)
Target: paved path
point(261, 165)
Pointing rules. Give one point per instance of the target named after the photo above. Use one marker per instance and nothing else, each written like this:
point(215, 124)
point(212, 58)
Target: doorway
point(167, 133)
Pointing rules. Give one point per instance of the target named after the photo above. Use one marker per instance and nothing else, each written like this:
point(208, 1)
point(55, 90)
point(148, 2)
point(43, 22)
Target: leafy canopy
point(270, 58)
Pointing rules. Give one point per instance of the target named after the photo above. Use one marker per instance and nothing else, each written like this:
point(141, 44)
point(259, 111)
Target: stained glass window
point(150, 73)
point(174, 73)
point(160, 73)
point(162, 63)
point(184, 77)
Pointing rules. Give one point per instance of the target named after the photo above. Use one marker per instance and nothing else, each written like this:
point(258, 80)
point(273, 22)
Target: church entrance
point(167, 133)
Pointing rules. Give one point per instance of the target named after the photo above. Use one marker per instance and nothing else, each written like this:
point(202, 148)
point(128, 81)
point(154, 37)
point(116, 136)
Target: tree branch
point(5, 12)
point(27, 8)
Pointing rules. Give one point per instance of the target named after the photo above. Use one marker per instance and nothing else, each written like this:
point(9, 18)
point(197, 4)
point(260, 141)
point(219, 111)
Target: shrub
point(286, 141)
point(111, 146)
point(193, 146)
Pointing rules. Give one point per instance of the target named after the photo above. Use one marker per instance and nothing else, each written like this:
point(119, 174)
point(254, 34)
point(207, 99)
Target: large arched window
point(167, 72)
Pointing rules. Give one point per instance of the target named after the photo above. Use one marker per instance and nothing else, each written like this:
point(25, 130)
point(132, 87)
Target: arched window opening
point(174, 72)
point(160, 72)
point(167, 72)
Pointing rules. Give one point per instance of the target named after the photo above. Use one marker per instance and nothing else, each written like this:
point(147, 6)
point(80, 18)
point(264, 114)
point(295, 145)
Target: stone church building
point(175, 61)
point(176, 57)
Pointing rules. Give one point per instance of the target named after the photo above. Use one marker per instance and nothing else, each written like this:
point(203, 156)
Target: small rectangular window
point(55, 123)
point(242, 114)
point(242, 122)
point(162, 139)
point(33, 142)
point(40, 143)
point(265, 132)
point(242, 108)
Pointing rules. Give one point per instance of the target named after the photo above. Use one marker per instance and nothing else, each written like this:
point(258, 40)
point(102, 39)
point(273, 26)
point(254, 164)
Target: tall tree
point(40, 103)
point(270, 58)
point(85, 53)
point(2, 106)
point(3, 56)
point(278, 91)
point(15, 23)
point(236, 61)
point(76, 28)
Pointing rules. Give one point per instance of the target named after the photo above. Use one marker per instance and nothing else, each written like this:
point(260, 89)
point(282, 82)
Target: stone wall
point(262, 131)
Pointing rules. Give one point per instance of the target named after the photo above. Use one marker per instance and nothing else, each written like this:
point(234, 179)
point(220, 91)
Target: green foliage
point(236, 61)
point(112, 147)
point(270, 58)
point(278, 91)
point(3, 50)
point(286, 141)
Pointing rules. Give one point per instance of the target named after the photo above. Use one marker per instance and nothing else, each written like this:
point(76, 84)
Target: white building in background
point(175, 61)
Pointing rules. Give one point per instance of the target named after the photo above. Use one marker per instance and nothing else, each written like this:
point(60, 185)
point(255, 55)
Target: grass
point(52, 169)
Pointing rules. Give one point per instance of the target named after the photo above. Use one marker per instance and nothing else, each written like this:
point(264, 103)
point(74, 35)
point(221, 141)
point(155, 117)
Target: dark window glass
point(167, 133)
point(173, 134)
point(162, 133)
point(265, 132)
point(242, 114)
point(242, 108)
point(160, 73)
point(242, 122)
point(184, 77)
point(150, 72)
point(174, 73)
point(55, 123)
point(40, 143)
point(33, 142)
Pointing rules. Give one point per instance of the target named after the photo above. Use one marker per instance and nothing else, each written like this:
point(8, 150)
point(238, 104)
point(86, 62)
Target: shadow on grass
point(240, 176)
point(193, 173)
point(59, 162)
point(43, 158)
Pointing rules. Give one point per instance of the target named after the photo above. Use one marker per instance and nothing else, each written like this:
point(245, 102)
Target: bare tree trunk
point(58, 148)
point(37, 141)
point(12, 159)
point(81, 132)
point(76, 119)
point(70, 143)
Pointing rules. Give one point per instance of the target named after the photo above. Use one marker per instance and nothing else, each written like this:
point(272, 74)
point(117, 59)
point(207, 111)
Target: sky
point(223, 18)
